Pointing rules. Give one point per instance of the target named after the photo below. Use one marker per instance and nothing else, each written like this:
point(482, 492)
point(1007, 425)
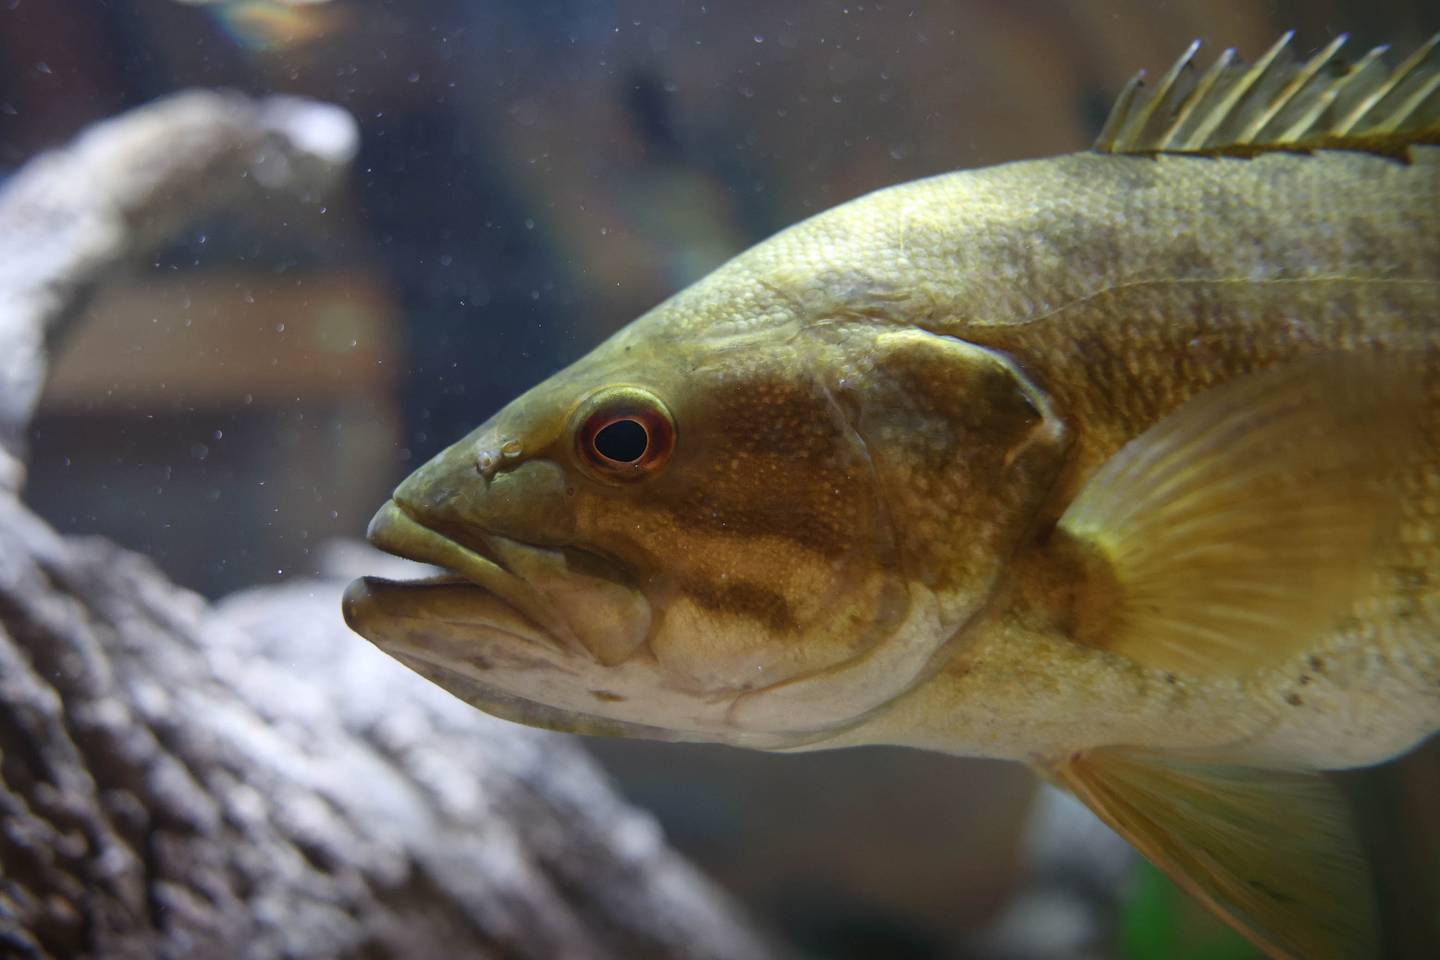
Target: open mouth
point(395, 531)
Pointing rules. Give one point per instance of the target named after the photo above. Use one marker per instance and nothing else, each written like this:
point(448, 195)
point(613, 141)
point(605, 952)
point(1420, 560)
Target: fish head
point(715, 528)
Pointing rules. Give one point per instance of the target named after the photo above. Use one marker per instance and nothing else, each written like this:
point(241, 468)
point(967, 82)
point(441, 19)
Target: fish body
point(1123, 290)
point(1122, 464)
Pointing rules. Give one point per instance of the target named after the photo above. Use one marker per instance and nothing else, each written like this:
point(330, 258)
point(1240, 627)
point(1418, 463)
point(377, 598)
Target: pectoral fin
point(1273, 853)
point(1230, 535)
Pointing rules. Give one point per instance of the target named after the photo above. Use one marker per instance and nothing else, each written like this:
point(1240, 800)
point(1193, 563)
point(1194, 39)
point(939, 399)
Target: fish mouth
point(483, 632)
point(469, 567)
point(535, 635)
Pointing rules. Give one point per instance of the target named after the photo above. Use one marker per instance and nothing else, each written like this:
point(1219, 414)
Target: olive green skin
point(879, 414)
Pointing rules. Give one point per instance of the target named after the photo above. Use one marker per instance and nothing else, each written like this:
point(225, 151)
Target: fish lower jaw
point(395, 531)
point(447, 608)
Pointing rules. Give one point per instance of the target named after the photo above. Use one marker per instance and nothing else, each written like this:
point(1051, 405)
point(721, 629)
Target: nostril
point(489, 457)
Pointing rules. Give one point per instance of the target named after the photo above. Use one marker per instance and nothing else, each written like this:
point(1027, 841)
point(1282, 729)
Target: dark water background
point(532, 176)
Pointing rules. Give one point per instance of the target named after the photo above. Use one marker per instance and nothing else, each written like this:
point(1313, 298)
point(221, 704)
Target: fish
point(1120, 464)
point(264, 26)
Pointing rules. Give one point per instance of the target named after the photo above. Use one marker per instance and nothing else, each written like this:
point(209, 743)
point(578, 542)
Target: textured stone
point(252, 780)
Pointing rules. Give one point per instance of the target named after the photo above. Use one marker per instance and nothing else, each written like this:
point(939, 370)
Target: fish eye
point(622, 441)
point(623, 433)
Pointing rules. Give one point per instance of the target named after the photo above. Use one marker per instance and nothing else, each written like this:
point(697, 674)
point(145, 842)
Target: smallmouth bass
point(1122, 464)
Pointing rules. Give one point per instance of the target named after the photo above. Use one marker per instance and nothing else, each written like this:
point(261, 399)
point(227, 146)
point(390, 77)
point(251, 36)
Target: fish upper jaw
point(582, 603)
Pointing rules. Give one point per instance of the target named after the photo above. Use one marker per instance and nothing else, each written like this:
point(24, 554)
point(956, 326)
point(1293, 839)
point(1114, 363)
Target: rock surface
point(250, 779)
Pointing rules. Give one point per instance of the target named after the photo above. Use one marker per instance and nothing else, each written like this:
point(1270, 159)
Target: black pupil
point(623, 441)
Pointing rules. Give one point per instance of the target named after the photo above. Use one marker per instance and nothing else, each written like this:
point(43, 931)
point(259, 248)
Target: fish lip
point(367, 596)
point(397, 531)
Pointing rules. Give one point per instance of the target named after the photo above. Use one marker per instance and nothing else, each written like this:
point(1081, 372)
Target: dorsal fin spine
point(1119, 112)
point(1331, 96)
point(1371, 63)
point(1161, 99)
point(1403, 73)
point(1250, 81)
point(1267, 88)
point(1292, 89)
point(1412, 103)
point(1282, 102)
point(1203, 89)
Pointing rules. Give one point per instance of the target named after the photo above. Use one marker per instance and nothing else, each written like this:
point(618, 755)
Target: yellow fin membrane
point(1230, 535)
point(1272, 852)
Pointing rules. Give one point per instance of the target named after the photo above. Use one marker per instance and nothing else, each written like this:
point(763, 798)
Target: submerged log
point(250, 779)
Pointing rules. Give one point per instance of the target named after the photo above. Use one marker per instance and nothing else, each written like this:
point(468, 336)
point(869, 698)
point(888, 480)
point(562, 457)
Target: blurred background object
point(184, 780)
point(532, 176)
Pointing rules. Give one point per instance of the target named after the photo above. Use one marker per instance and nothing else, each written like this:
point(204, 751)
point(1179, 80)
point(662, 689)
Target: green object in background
point(1159, 920)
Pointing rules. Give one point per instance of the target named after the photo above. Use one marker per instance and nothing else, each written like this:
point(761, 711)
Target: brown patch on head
point(605, 696)
point(762, 545)
point(749, 600)
point(776, 463)
point(1411, 580)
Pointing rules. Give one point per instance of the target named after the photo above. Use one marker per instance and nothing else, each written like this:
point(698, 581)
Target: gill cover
point(962, 449)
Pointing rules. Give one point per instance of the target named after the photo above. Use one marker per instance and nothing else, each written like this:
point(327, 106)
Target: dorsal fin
point(1281, 103)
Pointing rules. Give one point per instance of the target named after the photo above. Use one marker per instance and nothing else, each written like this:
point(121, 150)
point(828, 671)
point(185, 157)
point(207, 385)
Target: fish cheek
point(765, 553)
